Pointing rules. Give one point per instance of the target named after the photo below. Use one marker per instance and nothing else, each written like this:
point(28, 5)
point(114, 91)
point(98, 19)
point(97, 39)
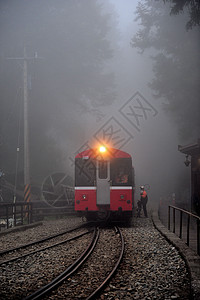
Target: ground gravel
point(19, 238)
point(151, 267)
point(95, 270)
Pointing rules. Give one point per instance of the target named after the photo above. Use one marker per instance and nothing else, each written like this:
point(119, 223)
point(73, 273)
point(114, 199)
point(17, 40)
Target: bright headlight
point(102, 149)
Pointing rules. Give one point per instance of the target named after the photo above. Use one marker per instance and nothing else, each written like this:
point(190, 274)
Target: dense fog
point(89, 62)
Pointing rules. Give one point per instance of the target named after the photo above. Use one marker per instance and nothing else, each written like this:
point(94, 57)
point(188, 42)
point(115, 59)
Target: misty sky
point(125, 10)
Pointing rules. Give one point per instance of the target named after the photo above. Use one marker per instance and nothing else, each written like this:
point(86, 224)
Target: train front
point(104, 184)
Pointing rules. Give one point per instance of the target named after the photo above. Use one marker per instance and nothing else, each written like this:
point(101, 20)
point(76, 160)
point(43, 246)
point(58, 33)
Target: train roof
point(111, 153)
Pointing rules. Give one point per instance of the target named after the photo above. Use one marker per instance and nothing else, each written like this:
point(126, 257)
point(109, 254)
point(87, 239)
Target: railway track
point(150, 268)
point(39, 294)
point(58, 269)
point(74, 267)
point(38, 245)
point(109, 276)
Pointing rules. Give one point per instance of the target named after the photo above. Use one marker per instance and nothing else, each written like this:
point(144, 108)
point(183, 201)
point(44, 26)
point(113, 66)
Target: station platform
point(189, 254)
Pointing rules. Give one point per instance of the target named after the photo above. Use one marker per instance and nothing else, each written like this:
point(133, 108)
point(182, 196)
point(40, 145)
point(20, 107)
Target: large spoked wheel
point(56, 191)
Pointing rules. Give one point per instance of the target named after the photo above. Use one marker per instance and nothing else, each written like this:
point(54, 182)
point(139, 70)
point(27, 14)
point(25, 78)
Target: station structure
point(192, 160)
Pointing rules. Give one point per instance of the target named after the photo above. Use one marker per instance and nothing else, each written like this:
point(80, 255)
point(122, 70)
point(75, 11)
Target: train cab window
point(121, 173)
point(103, 169)
point(85, 172)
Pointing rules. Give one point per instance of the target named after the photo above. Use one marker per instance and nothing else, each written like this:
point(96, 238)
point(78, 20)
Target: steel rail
point(107, 279)
point(42, 240)
point(68, 272)
point(45, 248)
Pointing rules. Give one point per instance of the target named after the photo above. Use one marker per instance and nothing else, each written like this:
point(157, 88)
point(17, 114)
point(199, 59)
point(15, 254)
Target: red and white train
point(104, 184)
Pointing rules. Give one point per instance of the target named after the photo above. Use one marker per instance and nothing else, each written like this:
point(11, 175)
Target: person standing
point(143, 199)
point(139, 207)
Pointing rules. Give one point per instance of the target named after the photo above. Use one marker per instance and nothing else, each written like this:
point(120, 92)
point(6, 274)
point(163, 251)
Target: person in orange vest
point(143, 199)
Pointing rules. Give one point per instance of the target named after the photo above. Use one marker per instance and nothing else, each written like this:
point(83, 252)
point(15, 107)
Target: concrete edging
point(191, 259)
point(20, 228)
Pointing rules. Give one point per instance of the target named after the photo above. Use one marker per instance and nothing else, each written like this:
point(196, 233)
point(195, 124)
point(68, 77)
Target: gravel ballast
point(151, 267)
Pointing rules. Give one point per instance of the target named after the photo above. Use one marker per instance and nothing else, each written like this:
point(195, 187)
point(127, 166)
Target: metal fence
point(13, 214)
point(186, 224)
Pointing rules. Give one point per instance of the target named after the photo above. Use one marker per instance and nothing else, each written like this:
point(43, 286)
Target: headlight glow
point(102, 149)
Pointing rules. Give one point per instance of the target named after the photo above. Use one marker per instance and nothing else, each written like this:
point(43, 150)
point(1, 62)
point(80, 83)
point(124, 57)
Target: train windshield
point(121, 171)
point(85, 172)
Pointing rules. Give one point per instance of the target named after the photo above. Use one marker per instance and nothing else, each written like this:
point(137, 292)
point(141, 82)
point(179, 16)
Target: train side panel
point(85, 199)
point(121, 199)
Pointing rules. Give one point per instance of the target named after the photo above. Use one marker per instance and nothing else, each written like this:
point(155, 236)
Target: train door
point(103, 182)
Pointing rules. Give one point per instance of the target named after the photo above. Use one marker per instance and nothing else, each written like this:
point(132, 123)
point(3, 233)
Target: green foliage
point(192, 6)
point(176, 63)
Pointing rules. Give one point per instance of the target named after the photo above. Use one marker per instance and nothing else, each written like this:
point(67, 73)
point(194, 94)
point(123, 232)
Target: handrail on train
point(189, 216)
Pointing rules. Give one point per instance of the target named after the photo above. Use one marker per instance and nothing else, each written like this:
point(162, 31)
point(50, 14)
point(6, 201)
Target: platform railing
point(189, 216)
point(13, 214)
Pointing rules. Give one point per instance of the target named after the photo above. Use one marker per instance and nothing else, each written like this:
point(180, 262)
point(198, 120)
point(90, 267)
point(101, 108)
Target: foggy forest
point(87, 61)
